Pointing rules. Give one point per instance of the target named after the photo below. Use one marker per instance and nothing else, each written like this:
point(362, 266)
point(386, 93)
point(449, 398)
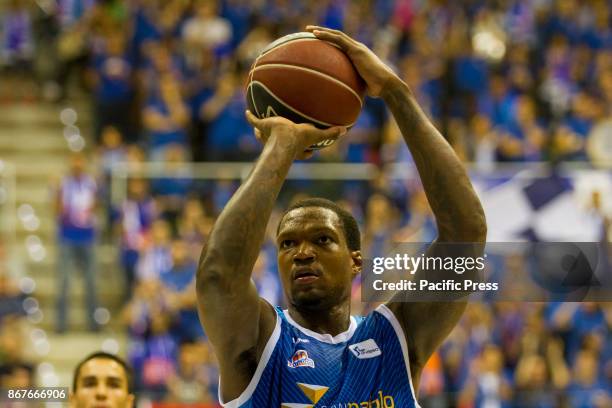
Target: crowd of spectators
point(504, 80)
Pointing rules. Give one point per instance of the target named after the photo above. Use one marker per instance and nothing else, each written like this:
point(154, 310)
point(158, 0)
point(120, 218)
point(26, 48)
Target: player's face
point(102, 383)
point(315, 264)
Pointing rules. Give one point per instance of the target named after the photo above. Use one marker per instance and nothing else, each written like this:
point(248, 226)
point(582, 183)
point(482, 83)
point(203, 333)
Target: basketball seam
point(293, 41)
point(351, 90)
point(293, 109)
point(252, 94)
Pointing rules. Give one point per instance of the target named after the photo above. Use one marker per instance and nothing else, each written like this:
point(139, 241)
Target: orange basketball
point(306, 80)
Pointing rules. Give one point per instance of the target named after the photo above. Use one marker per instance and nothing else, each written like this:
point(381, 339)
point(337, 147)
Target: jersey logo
point(365, 349)
point(313, 392)
point(301, 359)
point(297, 340)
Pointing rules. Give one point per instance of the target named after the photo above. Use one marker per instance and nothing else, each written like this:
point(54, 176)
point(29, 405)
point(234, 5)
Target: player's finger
point(254, 121)
point(312, 27)
point(334, 132)
point(336, 39)
point(339, 39)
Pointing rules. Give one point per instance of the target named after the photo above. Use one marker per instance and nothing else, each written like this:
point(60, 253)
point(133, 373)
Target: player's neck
point(331, 321)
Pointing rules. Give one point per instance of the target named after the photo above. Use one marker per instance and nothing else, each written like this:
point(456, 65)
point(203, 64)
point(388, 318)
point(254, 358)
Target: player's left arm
point(459, 214)
point(459, 217)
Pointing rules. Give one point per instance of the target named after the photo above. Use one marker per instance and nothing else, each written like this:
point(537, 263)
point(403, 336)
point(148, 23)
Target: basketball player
point(102, 380)
point(315, 354)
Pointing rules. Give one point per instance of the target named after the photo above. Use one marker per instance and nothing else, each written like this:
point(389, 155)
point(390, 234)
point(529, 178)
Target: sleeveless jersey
point(366, 366)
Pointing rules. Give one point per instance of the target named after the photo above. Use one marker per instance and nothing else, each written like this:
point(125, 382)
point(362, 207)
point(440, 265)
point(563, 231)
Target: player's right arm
point(237, 322)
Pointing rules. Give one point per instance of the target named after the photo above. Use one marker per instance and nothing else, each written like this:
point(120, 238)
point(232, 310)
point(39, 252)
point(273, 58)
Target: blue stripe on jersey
point(366, 366)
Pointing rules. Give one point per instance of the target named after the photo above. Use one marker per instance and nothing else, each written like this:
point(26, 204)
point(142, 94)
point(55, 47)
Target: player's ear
point(357, 262)
point(130, 401)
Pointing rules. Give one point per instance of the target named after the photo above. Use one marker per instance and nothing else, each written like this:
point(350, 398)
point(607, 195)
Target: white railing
point(320, 171)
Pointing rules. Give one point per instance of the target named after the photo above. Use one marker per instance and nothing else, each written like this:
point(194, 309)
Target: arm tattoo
point(457, 209)
point(459, 216)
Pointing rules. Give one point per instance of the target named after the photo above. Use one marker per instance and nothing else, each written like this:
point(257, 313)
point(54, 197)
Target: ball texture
point(306, 80)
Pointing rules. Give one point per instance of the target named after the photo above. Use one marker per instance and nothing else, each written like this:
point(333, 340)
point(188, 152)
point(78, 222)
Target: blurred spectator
point(496, 104)
point(484, 142)
point(155, 258)
point(166, 117)
point(17, 51)
point(194, 225)
point(586, 389)
point(151, 351)
point(155, 20)
point(570, 137)
point(192, 382)
point(230, 137)
point(470, 77)
point(111, 152)
point(533, 383)
point(222, 193)
point(16, 370)
point(266, 280)
point(576, 321)
point(75, 206)
point(111, 75)
point(357, 145)
point(540, 379)
point(135, 218)
point(380, 215)
point(135, 157)
point(488, 385)
point(70, 12)
point(171, 192)
point(523, 138)
point(72, 41)
point(179, 283)
point(206, 29)
point(159, 362)
point(16, 46)
point(17, 376)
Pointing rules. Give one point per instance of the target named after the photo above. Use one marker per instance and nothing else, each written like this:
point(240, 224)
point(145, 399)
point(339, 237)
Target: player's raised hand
point(371, 68)
point(301, 135)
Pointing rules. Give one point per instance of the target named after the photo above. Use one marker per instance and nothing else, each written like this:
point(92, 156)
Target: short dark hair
point(129, 373)
point(349, 223)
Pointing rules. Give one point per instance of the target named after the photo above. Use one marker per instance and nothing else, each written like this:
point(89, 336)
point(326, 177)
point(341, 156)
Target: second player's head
point(102, 380)
point(319, 253)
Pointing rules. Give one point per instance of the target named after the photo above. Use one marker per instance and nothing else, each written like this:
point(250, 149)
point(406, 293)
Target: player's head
point(78, 163)
point(102, 380)
point(319, 253)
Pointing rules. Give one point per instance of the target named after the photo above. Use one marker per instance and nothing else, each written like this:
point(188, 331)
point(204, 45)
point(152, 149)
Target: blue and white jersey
point(366, 366)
